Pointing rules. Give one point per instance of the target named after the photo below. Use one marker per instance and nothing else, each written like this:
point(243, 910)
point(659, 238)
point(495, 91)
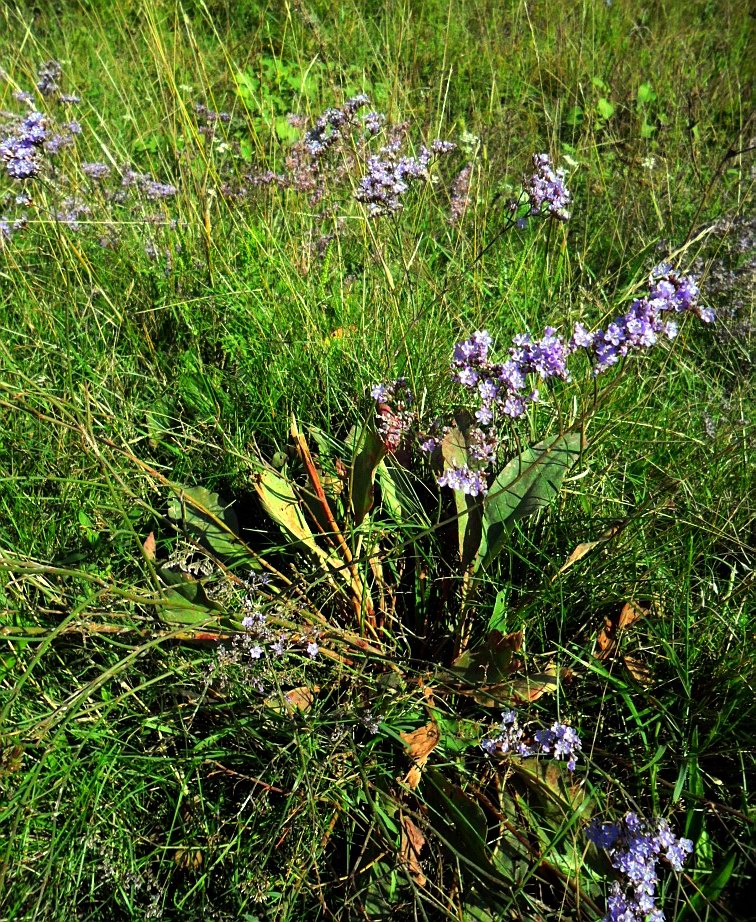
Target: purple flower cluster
point(508, 739)
point(328, 129)
point(48, 77)
point(546, 189)
point(460, 195)
point(640, 328)
point(503, 385)
point(21, 146)
point(560, 741)
point(465, 479)
point(96, 171)
point(634, 849)
point(146, 184)
point(389, 176)
point(258, 635)
point(394, 414)
point(207, 119)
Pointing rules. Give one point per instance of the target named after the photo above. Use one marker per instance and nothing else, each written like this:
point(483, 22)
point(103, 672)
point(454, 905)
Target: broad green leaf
point(498, 619)
point(458, 735)
point(389, 494)
point(469, 516)
point(575, 116)
point(282, 504)
point(211, 522)
point(369, 452)
point(467, 820)
point(185, 602)
point(604, 108)
point(647, 129)
point(645, 94)
point(528, 483)
point(489, 663)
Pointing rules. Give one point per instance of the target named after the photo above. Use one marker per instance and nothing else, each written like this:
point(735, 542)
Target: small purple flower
point(472, 483)
point(395, 415)
point(256, 652)
point(634, 849)
point(48, 76)
point(644, 322)
point(313, 649)
point(442, 147)
point(460, 195)
point(546, 189)
point(373, 122)
point(96, 170)
point(562, 742)
point(158, 190)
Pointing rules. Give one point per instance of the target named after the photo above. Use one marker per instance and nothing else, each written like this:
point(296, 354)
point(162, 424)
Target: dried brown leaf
point(411, 844)
point(586, 547)
point(149, 547)
point(421, 742)
point(608, 638)
point(639, 670)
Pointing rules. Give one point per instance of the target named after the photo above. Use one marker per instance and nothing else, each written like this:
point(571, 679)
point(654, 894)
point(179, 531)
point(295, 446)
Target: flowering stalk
point(634, 849)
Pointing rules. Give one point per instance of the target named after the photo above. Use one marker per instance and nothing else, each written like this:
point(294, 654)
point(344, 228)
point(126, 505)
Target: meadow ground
point(254, 659)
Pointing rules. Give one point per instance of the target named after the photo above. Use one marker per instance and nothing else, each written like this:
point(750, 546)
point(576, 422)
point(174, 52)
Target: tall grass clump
point(375, 473)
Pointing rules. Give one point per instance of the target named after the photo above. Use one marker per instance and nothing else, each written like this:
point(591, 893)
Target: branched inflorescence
point(395, 412)
point(560, 741)
point(641, 327)
point(546, 190)
point(503, 390)
point(634, 849)
point(389, 175)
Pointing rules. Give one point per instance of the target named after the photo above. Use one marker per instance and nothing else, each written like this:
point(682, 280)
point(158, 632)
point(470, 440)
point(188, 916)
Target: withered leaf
point(586, 547)
point(149, 547)
point(608, 637)
point(421, 742)
point(411, 844)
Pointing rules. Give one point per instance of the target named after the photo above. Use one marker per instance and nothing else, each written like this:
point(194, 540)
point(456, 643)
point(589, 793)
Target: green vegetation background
point(128, 792)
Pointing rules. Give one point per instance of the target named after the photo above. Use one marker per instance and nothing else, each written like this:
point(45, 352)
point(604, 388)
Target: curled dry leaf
point(608, 638)
point(421, 742)
point(295, 699)
point(411, 844)
point(419, 745)
point(149, 547)
point(585, 548)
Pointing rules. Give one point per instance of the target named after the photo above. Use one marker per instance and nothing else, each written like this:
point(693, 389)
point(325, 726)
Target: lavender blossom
point(503, 385)
point(470, 482)
point(645, 322)
point(546, 189)
point(96, 171)
point(395, 414)
point(562, 742)
point(48, 76)
point(158, 190)
point(389, 176)
point(508, 739)
point(327, 130)
point(373, 122)
point(460, 195)
point(634, 849)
